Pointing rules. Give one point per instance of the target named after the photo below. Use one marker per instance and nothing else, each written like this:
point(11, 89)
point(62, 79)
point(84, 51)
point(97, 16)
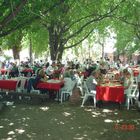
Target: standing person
point(139, 93)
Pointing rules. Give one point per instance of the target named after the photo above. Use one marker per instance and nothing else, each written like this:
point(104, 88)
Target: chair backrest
point(85, 88)
point(80, 80)
point(68, 84)
point(17, 85)
point(6, 74)
point(22, 84)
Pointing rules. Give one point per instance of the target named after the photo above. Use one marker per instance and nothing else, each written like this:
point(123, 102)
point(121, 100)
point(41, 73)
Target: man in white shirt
point(50, 70)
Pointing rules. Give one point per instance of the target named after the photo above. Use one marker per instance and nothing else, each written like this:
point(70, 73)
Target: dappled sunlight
point(79, 127)
point(95, 114)
point(25, 118)
point(28, 135)
point(118, 121)
point(11, 133)
point(71, 118)
point(137, 121)
point(55, 119)
point(79, 138)
point(10, 124)
point(101, 133)
point(44, 108)
point(5, 119)
point(87, 109)
point(1, 127)
point(66, 114)
point(108, 121)
point(60, 122)
point(72, 128)
point(20, 131)
point(25, 124)
point(49, 135)
point(107, 111)
point(97, 122)
point(9, 138)
point(13, 106)
point(9, 103)
point(115, 113)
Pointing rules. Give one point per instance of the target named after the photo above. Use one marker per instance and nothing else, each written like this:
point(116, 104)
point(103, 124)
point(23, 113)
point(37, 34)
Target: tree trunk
point(52, 43)
point(60, 53)
point(30, 51)
point(55, 43)
point(103, 51)
point(16, 52)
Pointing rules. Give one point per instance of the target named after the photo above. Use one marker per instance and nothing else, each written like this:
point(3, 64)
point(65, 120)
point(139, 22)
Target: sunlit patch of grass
point(11, 133)
point(20, 131)
point(10, 124)
point(66, 114)
point(1, 127)
point(44, 108)
point(108, 121)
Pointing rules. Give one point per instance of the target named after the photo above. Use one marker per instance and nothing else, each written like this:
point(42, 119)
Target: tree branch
point(12, 15)
point(100, 17)
point(93, 14)
point(79, 40)
point(19, 26)
point(125, 21)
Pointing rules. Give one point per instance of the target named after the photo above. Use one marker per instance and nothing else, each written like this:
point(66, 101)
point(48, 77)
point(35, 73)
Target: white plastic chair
point(132, 94)
point(35, 90)
point(6, 74)
point(88, 93)
point(21, 87)
point(80, 84)
point(67, 89)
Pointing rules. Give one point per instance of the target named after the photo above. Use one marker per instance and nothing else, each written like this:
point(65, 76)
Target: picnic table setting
point(110, 90)
point(72, 65)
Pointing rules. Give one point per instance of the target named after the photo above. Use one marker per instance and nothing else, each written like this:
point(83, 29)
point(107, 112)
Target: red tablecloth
point(114, 94)
point(8, 84)
point(50, 86)
point(3, 71)
point(135, 73)
point(28, 70)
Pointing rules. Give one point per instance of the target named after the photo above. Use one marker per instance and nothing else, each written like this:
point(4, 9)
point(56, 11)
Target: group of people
point(124, 76)
point(94, 72)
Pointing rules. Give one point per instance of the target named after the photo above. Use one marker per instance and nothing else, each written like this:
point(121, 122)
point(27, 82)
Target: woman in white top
point(127, 81)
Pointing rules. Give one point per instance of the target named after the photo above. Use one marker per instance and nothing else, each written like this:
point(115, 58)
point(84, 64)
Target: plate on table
point(115, 85)
point(53, 81)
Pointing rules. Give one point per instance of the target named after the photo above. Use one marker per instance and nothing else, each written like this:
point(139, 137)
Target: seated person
point(92, 80)
point(14, 72)
point(139, 92)
point(127, 83)
point(26, 71)
point(127, 80)
point(32, 83)
point(50, 70)
point(103, 67)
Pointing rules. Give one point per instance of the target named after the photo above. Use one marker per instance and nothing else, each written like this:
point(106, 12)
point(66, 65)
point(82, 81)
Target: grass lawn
point(53, 121)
